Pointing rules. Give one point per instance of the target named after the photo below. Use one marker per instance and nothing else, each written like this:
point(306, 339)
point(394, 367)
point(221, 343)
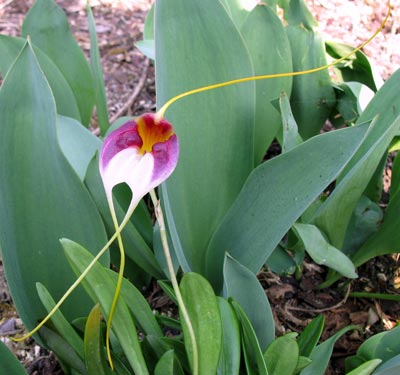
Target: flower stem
point(181, 304)
point(119, 280)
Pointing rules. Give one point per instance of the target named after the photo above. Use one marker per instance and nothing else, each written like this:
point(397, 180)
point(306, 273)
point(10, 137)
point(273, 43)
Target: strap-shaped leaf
point(321, 354)
point(48, 27)
point(253, 356)
point(62, 326)
point(41, 197)
point(215, 128)
point(95, 359)
point(243, 286)
point(229, 360)
point(275, 195)
point(101, 288)
point(322, 252)
point(202, 307)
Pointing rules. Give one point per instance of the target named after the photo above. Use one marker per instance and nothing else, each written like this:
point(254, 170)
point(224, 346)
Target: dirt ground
point(130, 89)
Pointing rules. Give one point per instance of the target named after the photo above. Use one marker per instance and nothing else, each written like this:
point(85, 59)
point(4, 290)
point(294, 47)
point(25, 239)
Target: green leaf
point(386, 240)
point(63, 95)
point(310, 336)
point(312, 94)
point(243, 286)
point(269, 48)
point(47, 26)
point(355, 68)
point(168, 365)
point(322, 252)
point(101, 288)
point(364, 222)
point(78, 144)
point(282, 355)
point(95, 65)
point(265, 208)
point(321, 354)
point(202, 307)
point(229, 360)
point(254, 360)
point(44, 200)
point(64, 352)
point(215, 128)
point(334, 215)
point(62, 326)
point(291, 137)
point(390, 367)
point(10, 363)
point(94, 348)
point(366, 368)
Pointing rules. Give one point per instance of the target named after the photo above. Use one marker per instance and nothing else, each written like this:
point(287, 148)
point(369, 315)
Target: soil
point(130, 87)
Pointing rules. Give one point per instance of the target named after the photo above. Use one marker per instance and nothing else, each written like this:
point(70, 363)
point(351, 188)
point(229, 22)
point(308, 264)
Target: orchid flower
point(141, 153)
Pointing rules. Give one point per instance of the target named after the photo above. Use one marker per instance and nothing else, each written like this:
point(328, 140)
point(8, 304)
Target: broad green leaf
point(269, 48)
point(63, 95)
point(312, 95)
point(266, 208)
point(215, 128)
point(64, 352)
point(355, 68)
point(78, 144)
point(101, 288)
point(322, 252)
point(44, 200)
point(281, 356)
point(47, 26)
point(94, 347)
point(168, 365)
point(321, 354)
point(310, 336)
point(243, 286)
point(135, 246)
point(9, 363)
point(366, 368)
point(334, 215)
point(202, 307)
point(97, 72)
point(229, 360)
point(139, 307)
point(62, 326)
point(253, 356)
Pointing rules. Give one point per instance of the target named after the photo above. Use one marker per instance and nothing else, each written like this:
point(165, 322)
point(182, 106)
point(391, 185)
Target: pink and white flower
point(142, 153)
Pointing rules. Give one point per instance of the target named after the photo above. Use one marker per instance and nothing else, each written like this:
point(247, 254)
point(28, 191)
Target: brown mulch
point(295, 302)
